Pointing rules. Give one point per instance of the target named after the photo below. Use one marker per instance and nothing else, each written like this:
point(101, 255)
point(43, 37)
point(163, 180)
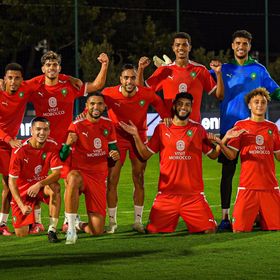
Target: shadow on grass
point(72, 259)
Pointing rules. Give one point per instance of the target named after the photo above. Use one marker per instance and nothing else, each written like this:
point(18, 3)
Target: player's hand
point(2, 84)
point(159, 62)
point(167, 121)
point(216, 65)
point(34, 189)
point(75, 82)
point(15, 143)
point(213, 138)
point(26, 209)
point(103, 58)
point(129, 128)
point(71, 138)
point(114, 155)
point(233, 133)
point(144, 61)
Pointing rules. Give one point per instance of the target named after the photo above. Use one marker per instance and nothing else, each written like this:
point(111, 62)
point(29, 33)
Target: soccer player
point(13, 100)
point(55, 98)
point(180, 187)
point(183, 75)
point(30, 182)
point(240, 76)
point(257, 141)
point(129, 102)
point(94, 140)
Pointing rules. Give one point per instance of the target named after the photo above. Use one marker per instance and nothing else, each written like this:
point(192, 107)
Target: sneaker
point(4, 230)
point(112, 228)
point(225, 225)
point(71, 238)
point(36, 228)
point(52, 237)
point(138, 227)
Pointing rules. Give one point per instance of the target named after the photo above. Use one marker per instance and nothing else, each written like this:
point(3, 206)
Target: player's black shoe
point(52, 237)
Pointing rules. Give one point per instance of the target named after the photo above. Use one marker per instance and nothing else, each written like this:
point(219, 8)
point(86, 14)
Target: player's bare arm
point(25, 209)
point(75, 82)
point(141, 147)
point(50, 179)
point(216, 65)
point(144, 62)
point(100, 80)
point(71, 138)
point(15, 143)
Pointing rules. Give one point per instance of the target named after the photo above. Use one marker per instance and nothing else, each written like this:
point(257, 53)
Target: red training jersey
point(56, 103)
point(180, 149)
point(90, 151)
point(30, 165)
point(172, 79)
point(135, 108)
point(257, 148)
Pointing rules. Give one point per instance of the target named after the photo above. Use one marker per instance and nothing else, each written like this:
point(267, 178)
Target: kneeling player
point(29, 181)
point(258, 142)
point(180, 187)
point(94, 139)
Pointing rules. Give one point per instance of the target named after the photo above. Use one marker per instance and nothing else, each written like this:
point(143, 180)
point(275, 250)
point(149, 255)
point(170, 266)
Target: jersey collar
point(250, 60)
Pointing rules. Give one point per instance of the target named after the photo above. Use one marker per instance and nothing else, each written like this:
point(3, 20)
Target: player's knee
point(74, 179)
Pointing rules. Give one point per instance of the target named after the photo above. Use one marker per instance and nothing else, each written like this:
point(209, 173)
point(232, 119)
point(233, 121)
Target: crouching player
point(258, 142)
point(94, 140)
point(30, 182)
point(180, 187)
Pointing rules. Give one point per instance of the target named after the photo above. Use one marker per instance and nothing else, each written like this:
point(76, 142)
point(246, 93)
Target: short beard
point(181, 118)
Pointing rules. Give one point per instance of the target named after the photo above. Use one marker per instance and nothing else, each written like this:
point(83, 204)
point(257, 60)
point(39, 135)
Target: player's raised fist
point(103, 58)
point(144, 61)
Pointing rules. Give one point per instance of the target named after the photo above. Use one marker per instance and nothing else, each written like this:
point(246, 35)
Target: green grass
point(128, 255)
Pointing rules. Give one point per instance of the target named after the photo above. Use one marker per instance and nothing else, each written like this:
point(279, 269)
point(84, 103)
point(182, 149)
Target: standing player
point(94, 141)
point(180, 187)
point(183, 75)
point(55, 98)
point(240, 76)
point(13, 101)
point(129, 102)
point(29, 181)
point(257, 141)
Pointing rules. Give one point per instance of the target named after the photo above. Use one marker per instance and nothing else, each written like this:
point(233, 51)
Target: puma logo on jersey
point(118, 104)
point(26, 160)
point(40, 93)
point(168, 135)
point(5, 103)
point(229, 75)
point(170, 77)
point(85, 133)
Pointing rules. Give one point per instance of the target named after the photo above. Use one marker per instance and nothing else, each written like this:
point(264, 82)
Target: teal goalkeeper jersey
point(239, 80)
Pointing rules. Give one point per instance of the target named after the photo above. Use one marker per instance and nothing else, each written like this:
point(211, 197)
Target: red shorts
point(127, 144)
point(5, 156)
point(94, 188)
point(251, 202)
point(167, 208)
point(20, 220)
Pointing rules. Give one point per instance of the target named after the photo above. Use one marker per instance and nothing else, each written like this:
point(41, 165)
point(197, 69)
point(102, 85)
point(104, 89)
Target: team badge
point(180, 145)
point(270, 132)
point(259, 140)
point(189, 133)
point(183, 87)
point(44, 155)
point(38, 170)
point(142, 103)
point(97, 143)
point(52, 102)
point(253, 76)
point(21, 94)
point(64, 91)
point(105, 132)
point(193, 74)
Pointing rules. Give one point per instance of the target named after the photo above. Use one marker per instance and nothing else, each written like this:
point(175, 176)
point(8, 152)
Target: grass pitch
point(129, 255)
